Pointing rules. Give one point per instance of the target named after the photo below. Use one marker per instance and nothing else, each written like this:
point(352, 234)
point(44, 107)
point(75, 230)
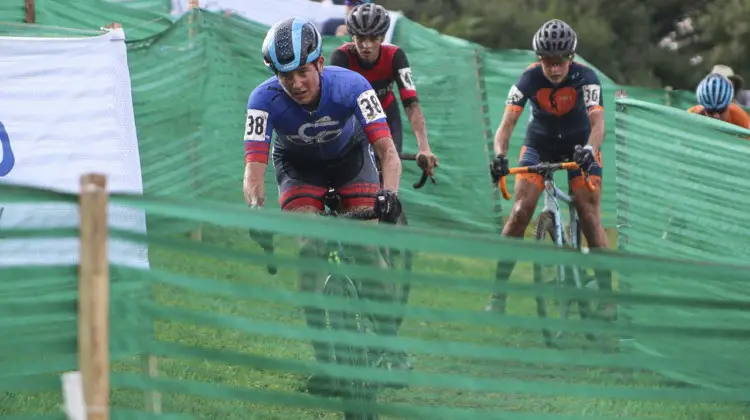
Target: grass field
point(256, 310)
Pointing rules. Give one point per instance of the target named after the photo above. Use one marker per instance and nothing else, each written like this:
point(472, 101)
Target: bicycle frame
point(552, 198)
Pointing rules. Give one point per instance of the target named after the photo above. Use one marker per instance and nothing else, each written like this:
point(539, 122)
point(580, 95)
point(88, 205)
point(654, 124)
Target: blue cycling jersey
point(348, 108)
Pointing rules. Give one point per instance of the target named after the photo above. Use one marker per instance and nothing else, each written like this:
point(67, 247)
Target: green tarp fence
point(681, 192)
point(230, 340)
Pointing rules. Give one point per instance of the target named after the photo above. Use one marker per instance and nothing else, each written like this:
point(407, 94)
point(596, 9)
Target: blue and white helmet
point(291, 44)
point(715, 92)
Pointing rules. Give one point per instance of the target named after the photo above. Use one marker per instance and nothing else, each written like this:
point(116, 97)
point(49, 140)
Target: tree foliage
point(635, 42)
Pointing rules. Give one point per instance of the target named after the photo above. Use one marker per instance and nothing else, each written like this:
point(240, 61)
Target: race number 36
point(255, 125)
point(591, 95)
point(369, 104)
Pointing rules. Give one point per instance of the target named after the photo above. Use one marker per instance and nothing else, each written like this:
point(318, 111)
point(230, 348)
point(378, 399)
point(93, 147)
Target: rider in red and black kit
point(382, 65)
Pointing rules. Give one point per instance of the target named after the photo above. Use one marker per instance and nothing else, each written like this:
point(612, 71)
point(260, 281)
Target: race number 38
point(369, 104)
point(255, 125)
point(591, 95)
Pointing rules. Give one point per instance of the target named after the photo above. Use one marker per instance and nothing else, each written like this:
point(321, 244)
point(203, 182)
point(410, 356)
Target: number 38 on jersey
point(369, 105)
point(255, 125)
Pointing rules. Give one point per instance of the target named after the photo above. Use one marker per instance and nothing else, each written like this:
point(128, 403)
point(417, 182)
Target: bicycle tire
point(347, 354)
point(545, 226)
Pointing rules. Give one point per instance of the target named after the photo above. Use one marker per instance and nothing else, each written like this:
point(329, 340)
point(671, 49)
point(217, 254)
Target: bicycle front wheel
point(559, 275)
point(351, 354)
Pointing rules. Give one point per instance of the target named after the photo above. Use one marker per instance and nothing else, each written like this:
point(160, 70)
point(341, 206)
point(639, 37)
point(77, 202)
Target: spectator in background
point(741, 96)
point(350, 4)
point(337, 26)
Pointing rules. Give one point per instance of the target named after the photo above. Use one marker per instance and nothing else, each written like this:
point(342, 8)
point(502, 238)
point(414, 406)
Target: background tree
point(635, 42)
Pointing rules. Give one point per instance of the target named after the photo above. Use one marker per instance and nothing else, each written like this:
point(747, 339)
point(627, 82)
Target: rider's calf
point(588, 206)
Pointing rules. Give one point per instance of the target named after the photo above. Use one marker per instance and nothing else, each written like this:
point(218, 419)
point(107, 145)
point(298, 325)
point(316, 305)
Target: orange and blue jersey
point(348, 113)
point(559, 118)
point(558, 112)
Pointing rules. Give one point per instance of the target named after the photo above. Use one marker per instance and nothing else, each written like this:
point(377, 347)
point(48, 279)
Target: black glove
point(584, 157)
point(387, 206)
point(499, 167)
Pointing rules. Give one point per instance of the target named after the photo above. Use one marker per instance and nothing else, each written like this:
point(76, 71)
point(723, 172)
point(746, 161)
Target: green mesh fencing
point(231, 341)
point(139, 18)
point(40, 319)
point(681, 194)
point(681, 99)
point(12, 11)
point(159, 6)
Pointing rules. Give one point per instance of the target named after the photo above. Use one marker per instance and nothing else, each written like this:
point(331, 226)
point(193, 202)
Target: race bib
point(369, 104)
point(255, 125)
point(514, 96)
point(406, 80)
point(591, 95)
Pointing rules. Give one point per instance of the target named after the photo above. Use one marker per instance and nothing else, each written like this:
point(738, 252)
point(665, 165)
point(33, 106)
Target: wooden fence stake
point(30, 11)
point(93, 305)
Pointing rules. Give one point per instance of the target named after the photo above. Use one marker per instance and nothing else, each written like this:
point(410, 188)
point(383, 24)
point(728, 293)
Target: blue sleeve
point(258, 127)
point(367, 108)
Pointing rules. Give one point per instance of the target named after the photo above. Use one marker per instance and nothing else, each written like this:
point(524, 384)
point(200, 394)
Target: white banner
point(65, 110)
point(269, 12)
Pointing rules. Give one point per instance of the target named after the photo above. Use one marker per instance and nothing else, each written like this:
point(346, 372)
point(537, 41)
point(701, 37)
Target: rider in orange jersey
point(714, 94)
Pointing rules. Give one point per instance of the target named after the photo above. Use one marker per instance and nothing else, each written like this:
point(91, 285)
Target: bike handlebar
point(265, 239)
point(422, 162)
point(542, 167)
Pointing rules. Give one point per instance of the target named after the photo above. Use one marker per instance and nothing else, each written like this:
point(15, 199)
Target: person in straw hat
point(741, 96)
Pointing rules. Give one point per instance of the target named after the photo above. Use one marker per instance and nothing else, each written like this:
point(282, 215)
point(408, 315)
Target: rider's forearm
point(596, 138)
point(390, 163)
point(253, 183)
point(502, 136)
point(419, 125)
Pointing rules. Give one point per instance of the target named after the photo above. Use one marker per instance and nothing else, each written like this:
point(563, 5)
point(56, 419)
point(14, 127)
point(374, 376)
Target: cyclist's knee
point(581, 193)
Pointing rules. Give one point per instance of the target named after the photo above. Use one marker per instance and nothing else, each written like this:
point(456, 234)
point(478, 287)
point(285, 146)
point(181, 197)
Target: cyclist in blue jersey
point(566, 111)
point(327, 121)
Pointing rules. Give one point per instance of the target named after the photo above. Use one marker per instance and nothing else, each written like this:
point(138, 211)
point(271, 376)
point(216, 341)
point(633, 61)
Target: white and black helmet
point(555, 38)
point(368, 20)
